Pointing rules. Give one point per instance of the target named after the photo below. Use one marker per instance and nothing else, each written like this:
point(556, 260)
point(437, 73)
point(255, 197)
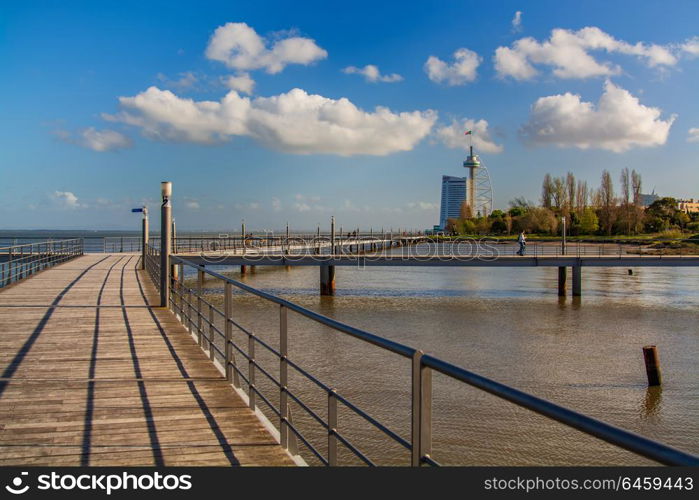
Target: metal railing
point(201, 318)
point(91, 244)
point(18, 262)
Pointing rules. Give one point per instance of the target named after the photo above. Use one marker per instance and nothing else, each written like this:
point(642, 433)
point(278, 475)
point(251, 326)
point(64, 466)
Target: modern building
point(647, 200)
point(688, 206)
point(453, 195)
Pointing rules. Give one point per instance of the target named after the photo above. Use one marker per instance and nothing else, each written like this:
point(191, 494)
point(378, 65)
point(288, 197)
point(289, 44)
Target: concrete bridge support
point(577, 281)
point(327, 280)
point(562, 275)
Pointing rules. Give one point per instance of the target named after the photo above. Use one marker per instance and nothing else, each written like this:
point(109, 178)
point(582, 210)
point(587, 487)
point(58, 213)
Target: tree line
point(587, 211)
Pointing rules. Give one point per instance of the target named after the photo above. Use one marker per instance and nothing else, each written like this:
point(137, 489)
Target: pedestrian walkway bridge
point(96, 372)
point(94, 375)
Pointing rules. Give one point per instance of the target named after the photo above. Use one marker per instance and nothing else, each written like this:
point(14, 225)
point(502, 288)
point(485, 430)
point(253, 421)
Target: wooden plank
point(85, 384)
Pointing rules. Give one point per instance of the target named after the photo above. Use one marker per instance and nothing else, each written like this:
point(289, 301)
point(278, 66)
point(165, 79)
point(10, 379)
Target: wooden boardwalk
point(94, 376)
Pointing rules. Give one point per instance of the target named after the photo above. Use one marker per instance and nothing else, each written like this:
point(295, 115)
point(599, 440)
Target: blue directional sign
point(137, 210)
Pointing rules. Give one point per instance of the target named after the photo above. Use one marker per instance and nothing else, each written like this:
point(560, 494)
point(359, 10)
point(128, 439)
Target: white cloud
point(693, 135)
point(453, 137)
point(372, 74)
point(96, 140)
point(186, 81)
point(348, 206)
point(517, 22)
point(618, 122)
point(242, 83)
point(423, 205)
point(276, 204)
point(691, 46)
point(462, 71)
point(192, 204)
point(238, 46)
point(568, 53)
point(66, 199)
point(302, 207)
point(294, 122)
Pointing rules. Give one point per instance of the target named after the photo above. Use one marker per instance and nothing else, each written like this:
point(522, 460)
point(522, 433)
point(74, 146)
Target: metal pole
point(563, 242)
point(174, 237)
point(243, 236)
point(283, 380)
point(332, 427)
point(165, 242)
point(228, 328)
point(144, 237)
point(332, 235)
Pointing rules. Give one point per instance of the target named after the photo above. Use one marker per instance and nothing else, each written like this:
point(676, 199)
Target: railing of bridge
point(203, 319)
point(18, 262)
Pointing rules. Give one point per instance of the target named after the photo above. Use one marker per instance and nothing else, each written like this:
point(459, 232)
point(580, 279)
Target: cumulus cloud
point(238, 46)
point(517, 22)
point(294, 122)
point(453, 137)
point(192, 204)
point(185, 81)
point(693, 135)
point(96, 140)
point(618, 122)
point(372, 74)
point(461, 71)
point(276, 204)
point(423, 205)
point(242, 83)
point(691, 47)
point(66, 199)
point(568, 53)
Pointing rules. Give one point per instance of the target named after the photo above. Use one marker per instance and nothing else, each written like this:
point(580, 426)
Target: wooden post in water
point(650, 356)
point(165, 242)
point(562, 275)
point(327, 280)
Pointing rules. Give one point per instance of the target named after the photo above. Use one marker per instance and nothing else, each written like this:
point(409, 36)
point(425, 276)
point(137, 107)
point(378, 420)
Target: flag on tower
point(468, 132)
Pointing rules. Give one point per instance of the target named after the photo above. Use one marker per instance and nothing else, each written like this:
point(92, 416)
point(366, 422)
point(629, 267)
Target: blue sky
point(621, 93)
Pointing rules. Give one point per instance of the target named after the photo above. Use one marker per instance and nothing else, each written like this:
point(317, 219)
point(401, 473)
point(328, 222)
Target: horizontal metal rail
point(18, 262)
point(420, 443)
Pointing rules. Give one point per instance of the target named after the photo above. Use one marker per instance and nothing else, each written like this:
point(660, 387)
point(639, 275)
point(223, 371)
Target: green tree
point(589, 222)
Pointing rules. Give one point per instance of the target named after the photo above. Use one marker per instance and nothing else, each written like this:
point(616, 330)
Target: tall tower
point(472, 163)
point(479, 190)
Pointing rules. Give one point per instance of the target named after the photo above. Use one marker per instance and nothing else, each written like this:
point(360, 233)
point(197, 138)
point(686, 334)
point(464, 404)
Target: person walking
point(522, 240)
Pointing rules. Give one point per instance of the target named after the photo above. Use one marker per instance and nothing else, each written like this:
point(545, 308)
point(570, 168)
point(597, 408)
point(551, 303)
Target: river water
point(507, 324)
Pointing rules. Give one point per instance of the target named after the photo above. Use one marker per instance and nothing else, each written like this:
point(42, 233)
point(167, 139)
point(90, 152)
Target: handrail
point(420, 443)
point(27, 259)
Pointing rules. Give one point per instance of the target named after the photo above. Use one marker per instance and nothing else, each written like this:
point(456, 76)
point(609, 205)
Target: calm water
point(507, 324)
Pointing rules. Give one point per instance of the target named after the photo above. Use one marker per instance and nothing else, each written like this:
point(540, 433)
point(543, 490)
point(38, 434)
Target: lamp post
point(563, 242)
point(144, 237)
point(165, 241)
point(144, 233)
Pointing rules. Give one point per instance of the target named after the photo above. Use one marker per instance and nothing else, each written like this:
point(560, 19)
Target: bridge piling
point(327, 280)
point(562, 276)
point(577, 281)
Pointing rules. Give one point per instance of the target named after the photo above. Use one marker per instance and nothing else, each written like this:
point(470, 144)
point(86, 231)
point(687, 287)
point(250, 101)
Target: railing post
point(212, 351)
point(251, 372)
point(200, 287)
point(421, 410)
point(165, 243)
point(332, 427)
point(283, 378)
point(228, 328)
